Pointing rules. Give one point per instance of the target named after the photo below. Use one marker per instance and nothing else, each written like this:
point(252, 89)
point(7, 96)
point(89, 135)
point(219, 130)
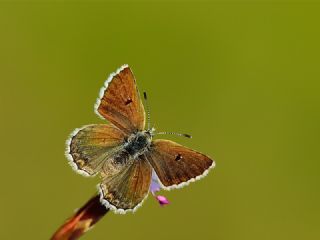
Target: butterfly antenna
point(148, 109)
point(174, 133)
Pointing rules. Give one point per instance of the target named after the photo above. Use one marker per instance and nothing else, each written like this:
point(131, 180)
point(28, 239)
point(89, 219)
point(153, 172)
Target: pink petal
point(154, 186)
point(162, 200)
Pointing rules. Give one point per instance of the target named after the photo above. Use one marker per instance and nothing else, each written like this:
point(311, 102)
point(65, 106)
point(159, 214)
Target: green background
point(241, 77)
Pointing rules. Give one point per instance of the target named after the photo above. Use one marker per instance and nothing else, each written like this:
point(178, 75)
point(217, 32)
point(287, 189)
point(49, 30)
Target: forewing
point(89, 147)
point(177, 165)
point(120, 102)
point(123, 188)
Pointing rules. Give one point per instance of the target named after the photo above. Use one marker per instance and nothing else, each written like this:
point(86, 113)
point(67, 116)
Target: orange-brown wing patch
point(88, 148)
point(120, 102)
point(177, 165)
point(125, 189)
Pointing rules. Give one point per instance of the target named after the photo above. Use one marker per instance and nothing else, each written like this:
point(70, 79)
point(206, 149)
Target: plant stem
point(81, 221)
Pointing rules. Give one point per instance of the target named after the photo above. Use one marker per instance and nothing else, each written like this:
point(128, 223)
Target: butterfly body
point(138, 143)
point(124, 154)
point(133, 147)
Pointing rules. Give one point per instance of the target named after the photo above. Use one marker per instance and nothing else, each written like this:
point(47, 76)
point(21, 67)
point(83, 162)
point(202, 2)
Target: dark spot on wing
point(178, 157)
point(129, 100)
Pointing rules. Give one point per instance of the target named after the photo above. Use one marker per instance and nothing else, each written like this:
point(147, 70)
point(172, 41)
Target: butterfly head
point(150, 132)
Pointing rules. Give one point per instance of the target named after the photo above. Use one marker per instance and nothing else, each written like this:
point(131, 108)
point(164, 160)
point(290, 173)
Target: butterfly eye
point(129, 100)
point(178, 157)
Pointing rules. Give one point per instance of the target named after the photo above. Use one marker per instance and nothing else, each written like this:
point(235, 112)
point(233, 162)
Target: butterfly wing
point(177, 165)
point(120, 102)
point(89, 147)
point(125, 186)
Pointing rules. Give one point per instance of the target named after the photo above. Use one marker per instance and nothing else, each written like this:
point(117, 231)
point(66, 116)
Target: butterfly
point(123, 151)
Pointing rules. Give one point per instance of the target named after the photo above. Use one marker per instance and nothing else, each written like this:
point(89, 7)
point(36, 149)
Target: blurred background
point(241, 77)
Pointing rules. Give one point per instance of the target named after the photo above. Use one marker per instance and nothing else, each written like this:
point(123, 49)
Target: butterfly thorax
point(138, 143)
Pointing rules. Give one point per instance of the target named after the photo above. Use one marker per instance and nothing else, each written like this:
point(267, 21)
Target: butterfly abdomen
point(121, 158)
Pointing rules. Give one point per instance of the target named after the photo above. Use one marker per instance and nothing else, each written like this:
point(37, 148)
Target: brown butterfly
point(123, 151)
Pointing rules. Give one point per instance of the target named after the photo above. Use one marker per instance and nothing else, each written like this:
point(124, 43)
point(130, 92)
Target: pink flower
point(155, 187)
point(162, 200)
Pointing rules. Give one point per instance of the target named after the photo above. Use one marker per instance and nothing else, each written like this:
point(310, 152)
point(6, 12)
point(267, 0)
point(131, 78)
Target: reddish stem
point(81, 221)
